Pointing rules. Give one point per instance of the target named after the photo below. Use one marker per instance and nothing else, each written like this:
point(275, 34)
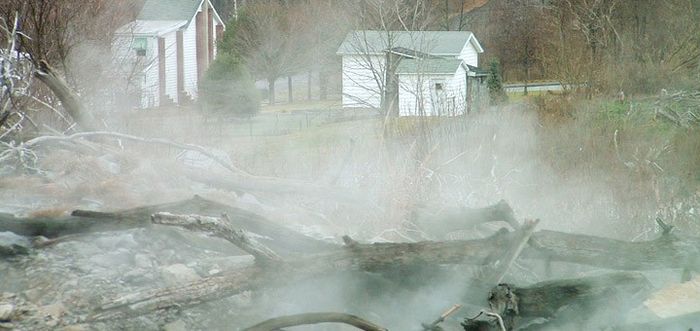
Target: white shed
point(365, 53)
point(432, 87)
point(167, 49)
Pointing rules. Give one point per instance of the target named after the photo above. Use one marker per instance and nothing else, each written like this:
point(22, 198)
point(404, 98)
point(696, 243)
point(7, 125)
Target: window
point(139, 45)
point(438, 86)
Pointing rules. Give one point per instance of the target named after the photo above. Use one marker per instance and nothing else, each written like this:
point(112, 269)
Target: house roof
point(477, 71)
point(172, 10)
point(433, 42)
point(150, 28)
point(440, 66)
point(169, 10)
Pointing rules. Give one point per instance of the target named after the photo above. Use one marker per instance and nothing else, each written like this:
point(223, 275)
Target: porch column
point(161, 71)
point(180, 67)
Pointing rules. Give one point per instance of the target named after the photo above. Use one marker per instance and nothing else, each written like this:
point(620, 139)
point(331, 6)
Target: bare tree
point(268, 37)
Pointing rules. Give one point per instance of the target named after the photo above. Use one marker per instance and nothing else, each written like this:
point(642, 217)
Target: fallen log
point(367, 257)
point(315, 318)
point(440, 223)
point(249, 183)
point(569, 299)
point(667, 251)
point(222, 228)
point(382, 256)
point(69, 99)
point(84, 221)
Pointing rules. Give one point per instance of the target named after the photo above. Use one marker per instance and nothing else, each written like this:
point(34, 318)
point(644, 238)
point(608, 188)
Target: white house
point(164, 53)
point(421, 72)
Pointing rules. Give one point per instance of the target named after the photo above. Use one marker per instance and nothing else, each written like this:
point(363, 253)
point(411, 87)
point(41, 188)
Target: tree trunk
point(271, 90)
point(322, 85)
point(83, 221)
point(367, 257)
point(308, 85)
point(566, 302)
point(290, 94)
point(447, 220)
point(69, 99)
point(667, 251)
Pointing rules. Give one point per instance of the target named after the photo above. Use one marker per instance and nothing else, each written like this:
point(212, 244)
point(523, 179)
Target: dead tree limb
point(222, 228)
point(501, 265)
point(70, 100)
point(382, 256)
point(84, 221)
point(117, 135)
point(579, 297)
point(444, 221)
point(280, 186)
point(315, 318)
point(366, 257)
point(667, 251)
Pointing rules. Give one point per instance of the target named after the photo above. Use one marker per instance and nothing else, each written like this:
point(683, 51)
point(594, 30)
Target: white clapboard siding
point(190, 59)
point(456, 93)
point(149, 88)
point(418, 90)
point(360, 80)
point(417, 94)
point(470, 55)
point(171, 65)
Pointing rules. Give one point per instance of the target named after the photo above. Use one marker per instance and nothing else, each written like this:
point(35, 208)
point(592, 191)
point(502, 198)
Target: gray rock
point(6, 311)
point(178, 274)
point(142, 261)
point(12, 244)
point(178, 325)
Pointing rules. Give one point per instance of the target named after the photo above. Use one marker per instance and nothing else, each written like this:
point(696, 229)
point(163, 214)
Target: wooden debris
point(550, 299)
point(82, 221)
point(315, 318)
point(454, 219)
point(222, 228)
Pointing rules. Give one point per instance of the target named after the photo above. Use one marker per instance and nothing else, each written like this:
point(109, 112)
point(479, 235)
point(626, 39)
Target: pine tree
point(494, 83)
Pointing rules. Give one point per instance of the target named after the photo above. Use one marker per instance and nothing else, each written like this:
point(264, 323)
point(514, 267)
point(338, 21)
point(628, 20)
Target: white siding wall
point(419, 90)
point(149, 87)
point(469, 55)
point(417, 94)
point(456, 94)
point(360, 75)
point(190, 58)
point(171, 65)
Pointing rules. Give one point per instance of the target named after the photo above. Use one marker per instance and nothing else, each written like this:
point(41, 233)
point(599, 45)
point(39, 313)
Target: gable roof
point(172, 10)
point(169, 10)
point(150, 28)
point(428, 66)
point(433, 42)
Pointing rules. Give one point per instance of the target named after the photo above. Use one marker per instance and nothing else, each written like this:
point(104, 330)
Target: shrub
point(496, 92)
point(228, 89)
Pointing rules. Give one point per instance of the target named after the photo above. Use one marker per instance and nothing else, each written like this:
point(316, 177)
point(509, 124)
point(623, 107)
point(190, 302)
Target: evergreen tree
point(496, 92)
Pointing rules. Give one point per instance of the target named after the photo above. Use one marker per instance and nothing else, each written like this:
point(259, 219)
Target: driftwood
point(448, 220)
point(222, 228)
point(667, 251)
point(499, 267)
point(367, 257)
point(382, 256)
point(315, 318)
point(576, 298)
point(82, 221)
point(69, 99)
point(249, 183)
